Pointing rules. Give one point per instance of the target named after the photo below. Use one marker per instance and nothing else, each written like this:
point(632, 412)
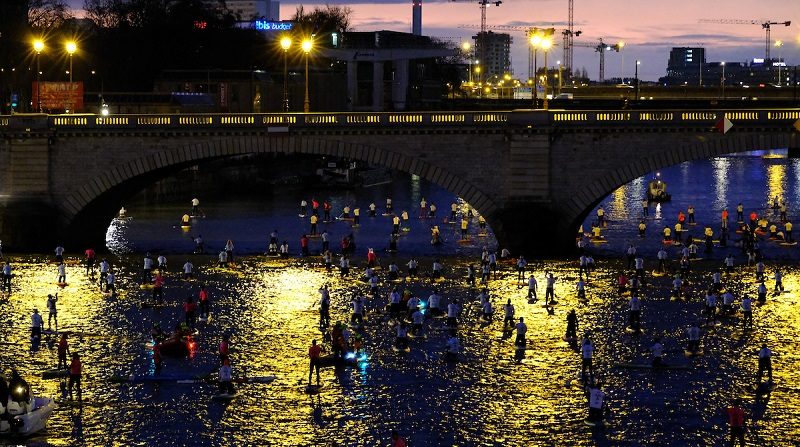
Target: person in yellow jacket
point(314, 220)
point(667, 234)
point(464, 226)
point(787, 227)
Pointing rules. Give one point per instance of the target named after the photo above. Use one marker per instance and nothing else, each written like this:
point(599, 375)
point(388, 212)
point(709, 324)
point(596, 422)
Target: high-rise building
point(495, 58)
point(255, 9)
point(685, 63)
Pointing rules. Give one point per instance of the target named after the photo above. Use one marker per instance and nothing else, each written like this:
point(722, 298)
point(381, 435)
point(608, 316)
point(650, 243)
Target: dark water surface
point(270, 307)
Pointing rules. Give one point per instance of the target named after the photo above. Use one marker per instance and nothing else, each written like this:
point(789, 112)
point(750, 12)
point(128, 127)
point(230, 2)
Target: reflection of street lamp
point(286, 42)
point(722, 80)
point(38, 47)
point(306, 46)
point(779, 46)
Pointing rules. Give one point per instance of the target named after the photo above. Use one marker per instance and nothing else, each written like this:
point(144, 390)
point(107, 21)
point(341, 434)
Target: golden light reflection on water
point(485, 399)
point(776, 182)
point(721, 167)
point(620, 200)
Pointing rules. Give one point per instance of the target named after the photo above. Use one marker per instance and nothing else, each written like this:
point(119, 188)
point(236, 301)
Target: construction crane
point(482, 36)
point(569, 36)
point(601, 48)
point(765, 24)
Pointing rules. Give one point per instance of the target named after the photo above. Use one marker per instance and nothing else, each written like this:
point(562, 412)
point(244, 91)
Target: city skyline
point(655, 29)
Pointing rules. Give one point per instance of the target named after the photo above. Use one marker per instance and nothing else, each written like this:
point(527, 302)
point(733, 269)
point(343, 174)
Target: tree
point(47, 13)
point(330, 19)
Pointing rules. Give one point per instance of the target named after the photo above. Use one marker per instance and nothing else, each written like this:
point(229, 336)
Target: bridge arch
point(699, 147)
point(79, 208)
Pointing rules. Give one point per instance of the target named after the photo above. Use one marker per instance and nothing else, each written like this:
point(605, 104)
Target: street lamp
point(559, 77)
point(306, 46)
point(286, 42)
point(779, 46)
point(545, 45)
point(620, 46)
point(637, 79)
point(71, 49)
point(722, 81)
point(38, 47)
point(536, 41)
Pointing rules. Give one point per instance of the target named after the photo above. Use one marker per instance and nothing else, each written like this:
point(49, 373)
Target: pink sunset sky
point(648, 27)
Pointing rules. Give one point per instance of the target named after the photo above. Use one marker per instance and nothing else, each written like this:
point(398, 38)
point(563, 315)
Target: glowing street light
point(620, 46)
point(286, 42)
point(307, 45)
point(71, 48)
point(722, 80)
point(38, 47)
point(545, 45)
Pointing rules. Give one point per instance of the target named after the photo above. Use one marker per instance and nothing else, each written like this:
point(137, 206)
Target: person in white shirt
point(662, 260)
point(284, 250)
point(51, 310)
point(36, 324)
point(62, 273)
point(110, 287)
point(634, 313)
point(162, 263)
point(778, 281)
point(694, 338)
point(394, 303)
point(434, 303)
point(764, 363)
point(147, 269)
point(437, 270)
point(487, 311)
point(412, 267)
point(532, 288)
point(196, 206)
point(508, 311)
point(521, 329)
point(358, 311)
point(104, 268)
point(587, 352)
point(188, 268)
point(222, 258)
point(521, 263)
point(747, 312)
point(657, 350)
point(549, 294)
point(344, 266)
point(59, 254)
point(417, 318)
point(596, 397)
point(453, 310)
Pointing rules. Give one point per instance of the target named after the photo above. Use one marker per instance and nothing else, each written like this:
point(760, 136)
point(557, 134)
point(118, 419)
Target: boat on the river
point(25, 419)
point(657, 191)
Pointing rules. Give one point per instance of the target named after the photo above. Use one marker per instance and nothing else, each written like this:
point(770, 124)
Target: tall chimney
point(416, 18)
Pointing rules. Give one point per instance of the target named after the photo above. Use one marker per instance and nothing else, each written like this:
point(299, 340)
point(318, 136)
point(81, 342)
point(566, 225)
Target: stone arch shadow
point(587, 199)
point(92, 204)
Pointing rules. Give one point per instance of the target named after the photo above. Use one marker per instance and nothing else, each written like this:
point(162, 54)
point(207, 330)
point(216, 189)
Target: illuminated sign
point(758, 61)
point(264, 25)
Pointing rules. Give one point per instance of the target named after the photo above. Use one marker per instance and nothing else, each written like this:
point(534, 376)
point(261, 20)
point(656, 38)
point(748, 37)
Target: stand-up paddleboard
point(312, 389)
point(223, 397)
point(405, 350)
point(205, 318)
point(55, 373)
point(689, 353)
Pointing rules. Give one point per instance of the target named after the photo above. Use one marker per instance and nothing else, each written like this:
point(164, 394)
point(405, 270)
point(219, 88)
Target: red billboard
point(58, 96)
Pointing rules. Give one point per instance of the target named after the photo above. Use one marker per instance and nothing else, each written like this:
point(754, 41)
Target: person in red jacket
point(63, 351)
point(372, 258)
point(204, 307)
point(190, 310)
point(90, 258)
point(313, 356)
point(158, 288)
point(736, 422)
point(304, 245)
point(75, 370)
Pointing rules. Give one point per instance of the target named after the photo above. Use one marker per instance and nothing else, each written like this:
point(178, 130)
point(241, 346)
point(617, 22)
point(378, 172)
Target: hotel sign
point(264, 25)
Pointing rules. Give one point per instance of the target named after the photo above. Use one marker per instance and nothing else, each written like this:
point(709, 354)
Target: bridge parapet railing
point(403, 120)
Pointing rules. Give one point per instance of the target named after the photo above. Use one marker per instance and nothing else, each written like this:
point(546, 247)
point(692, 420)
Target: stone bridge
point(534, 174)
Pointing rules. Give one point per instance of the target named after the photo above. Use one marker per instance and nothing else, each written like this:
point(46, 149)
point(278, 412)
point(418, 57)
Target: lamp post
point(559, 77)
point(306, 46)
point(722, 81)
point(621, 46)
point(546, 44)
point(779, 46)
point(71, 49)
point(535, 40)
point(466, 47)
point(286, 42)
point(38, 47)
point(637, 79)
